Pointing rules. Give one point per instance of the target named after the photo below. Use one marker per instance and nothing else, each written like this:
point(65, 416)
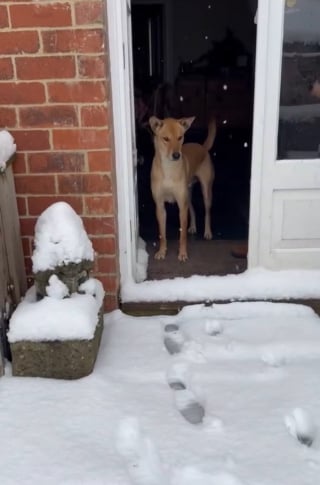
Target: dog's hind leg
point(206, 178)
point(192, 229)
point(207, 199)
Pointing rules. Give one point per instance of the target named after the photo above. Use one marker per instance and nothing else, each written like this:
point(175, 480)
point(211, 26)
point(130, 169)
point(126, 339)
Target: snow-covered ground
point(222, 395)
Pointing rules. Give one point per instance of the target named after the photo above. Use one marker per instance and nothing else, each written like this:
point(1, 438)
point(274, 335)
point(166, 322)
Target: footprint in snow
point(193, 476)
point(213, 327)
point(189, 406)
point(194, 352)
point(144, 466)
point(213, 424)
point(313, 464)
point(139, 454)
point(273, 359)
point(178, 376)
point(173, 338)
point(186, 401)
point(301, 426)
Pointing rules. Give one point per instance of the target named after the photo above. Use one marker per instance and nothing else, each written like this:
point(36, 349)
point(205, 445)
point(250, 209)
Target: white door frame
point(123, 137)
point(259, 113)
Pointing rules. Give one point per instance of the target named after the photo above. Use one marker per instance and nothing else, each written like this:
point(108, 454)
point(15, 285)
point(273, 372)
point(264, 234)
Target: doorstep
point(172, 308)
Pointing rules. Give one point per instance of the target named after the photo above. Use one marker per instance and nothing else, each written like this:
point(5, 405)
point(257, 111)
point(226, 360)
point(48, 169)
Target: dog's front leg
point(183, 215)
point(162, 220)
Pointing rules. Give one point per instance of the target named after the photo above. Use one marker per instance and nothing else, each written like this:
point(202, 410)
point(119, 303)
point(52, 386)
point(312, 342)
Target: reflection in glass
point(299, 115)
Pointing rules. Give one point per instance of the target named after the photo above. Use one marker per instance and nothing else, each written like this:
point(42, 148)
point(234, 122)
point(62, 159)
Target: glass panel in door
point(299, 111)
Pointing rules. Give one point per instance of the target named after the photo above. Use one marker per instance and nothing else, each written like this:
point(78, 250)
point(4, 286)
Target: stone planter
point(57, 338)
point(58, 359)
point(55, 331)
point(71, 274)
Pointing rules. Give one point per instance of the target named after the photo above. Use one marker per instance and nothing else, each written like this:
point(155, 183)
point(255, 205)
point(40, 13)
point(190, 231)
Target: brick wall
point(55, 100)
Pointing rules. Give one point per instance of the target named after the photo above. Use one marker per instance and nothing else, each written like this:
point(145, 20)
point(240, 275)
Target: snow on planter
point(7, 149)
point(56, 330)
point(54, 318)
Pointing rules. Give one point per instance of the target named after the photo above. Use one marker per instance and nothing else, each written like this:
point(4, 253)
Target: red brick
point(77, 92)
point(104, 245)
point(26, 246)
point(110, 283)
point(92, 67)
point(4, 20)
point(8, 117)
point(22, 206)
point(90, 12)
point(84, 139)
point(45, 67)
point(99, 225)
point(18, 42)
point(38, 204)
point(28, 265)
point(19, 165)
point(22, 93)
point(35, 184)
point(102, 205)
point(41, 15)
point(27, 226)
point(53, 162)
point(80, 41)
point(100, 161)
point(48, 116)
point(94, 116)
point(32, 140)
point(111, 303)
point(105, 264)
point(6, 69)
point(84, 183)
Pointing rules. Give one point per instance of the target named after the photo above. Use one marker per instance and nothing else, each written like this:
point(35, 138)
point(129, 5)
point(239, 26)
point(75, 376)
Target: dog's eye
point(180, 138)
point(165, 138)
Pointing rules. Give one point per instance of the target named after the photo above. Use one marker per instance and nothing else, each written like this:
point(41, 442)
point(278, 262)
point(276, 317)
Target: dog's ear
point(186, 122)
point(155, 123)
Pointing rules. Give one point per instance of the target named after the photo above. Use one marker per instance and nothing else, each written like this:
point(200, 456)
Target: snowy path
point(257, 377)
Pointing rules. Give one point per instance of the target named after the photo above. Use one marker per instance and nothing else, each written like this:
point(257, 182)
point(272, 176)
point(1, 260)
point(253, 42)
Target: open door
point(120, 48)
point(285, 182)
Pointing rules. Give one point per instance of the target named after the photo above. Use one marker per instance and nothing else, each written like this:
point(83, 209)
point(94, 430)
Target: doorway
point(196, 58)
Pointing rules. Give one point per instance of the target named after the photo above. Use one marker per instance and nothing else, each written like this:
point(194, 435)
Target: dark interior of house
point(196, 58)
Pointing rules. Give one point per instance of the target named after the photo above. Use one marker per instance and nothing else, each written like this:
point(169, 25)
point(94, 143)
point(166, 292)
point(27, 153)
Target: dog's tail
point(212, 131)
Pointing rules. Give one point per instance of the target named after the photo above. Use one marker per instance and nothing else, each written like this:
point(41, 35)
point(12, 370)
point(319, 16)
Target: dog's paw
point(160, 254)
point(192, 230)
point(183, 257)
point(207, 235)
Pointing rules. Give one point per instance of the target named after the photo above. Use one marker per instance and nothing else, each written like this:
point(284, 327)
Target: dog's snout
point(176, 155)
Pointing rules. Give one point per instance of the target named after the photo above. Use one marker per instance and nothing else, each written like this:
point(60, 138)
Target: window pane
point(299, 116)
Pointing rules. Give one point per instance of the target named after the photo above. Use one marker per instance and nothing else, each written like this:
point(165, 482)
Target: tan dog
point(174, 168)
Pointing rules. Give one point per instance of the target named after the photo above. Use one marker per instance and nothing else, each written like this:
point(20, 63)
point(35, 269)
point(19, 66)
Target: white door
point(120, 49)
point(285, 181)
